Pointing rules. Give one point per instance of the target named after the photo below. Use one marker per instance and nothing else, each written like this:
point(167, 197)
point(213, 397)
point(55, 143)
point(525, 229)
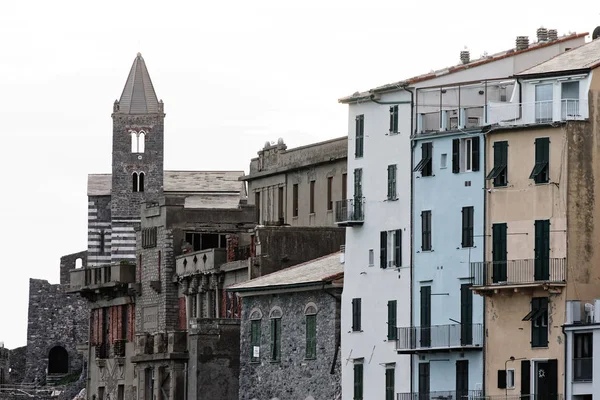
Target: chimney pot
point(552, 34)
point(542, 34)
point(522, 42)
point(465, 56)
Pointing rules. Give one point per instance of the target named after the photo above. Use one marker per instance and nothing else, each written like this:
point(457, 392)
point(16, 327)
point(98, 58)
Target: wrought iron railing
point(515, 272)
point(350, 210)
point(440, 336)
point(441, 395)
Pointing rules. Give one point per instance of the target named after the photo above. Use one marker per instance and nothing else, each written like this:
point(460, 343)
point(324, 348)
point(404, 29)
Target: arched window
point(141, 182)
point(141, 142)
point(275, 316)
point(78, 263)
point(310, 311)
point(134, 141)
point(135, 181)
point(255, 335)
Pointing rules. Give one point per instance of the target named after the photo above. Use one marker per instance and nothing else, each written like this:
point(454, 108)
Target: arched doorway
point(58, 360)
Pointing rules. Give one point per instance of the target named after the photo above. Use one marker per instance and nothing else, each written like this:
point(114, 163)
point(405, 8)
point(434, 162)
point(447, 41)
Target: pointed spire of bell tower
point(138, 95)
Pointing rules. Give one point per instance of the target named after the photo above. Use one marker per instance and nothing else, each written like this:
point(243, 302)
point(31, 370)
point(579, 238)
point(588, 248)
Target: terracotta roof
point(138, 95)
point(180, 181)
point(584, 57)
point(456, 68)
point(323, 269)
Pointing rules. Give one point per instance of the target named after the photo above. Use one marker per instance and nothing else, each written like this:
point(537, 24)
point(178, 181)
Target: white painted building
point(378, 254)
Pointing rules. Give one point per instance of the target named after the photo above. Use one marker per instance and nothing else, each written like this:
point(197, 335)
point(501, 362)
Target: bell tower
point(137, 157)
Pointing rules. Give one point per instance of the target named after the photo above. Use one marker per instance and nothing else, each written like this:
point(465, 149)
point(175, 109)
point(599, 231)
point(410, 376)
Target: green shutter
point(425, 316)
point(398, 247)
point(255, 338)
point(455, 156)
point(356, 322)
point(311, 336)
point(358, 382)
point(475, 150)
point(383, 249)
point(275, 339)
point(392, 312)
point(389, 384)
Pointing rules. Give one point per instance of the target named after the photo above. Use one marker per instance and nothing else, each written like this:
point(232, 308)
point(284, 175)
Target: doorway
point(546, 380)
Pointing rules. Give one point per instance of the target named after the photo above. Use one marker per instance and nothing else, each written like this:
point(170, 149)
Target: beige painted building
point(541, 207)
point(300, 186)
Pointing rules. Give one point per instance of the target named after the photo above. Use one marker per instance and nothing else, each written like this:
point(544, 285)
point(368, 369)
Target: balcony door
point(499, 253)
point(462, 379)
point(542, 250)
point(569, 100)
point(424, 381)
point(543, 102)
point(426, 316)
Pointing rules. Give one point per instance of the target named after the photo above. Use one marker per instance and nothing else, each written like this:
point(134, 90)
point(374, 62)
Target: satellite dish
point(596, 33)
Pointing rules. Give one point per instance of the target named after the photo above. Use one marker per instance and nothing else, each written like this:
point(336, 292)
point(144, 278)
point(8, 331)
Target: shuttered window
point(392, 312)
point(275, 339)
point(426, 230)
point(542, 250)
point(358, 381)
point(499, 252)
point(425, 165)
point(540, 172)
point(255, 340)
point(394, 119)
point(391, 192)
point(390, 383)
point(467, 227)
point(360, 136)
point(499, 173)
point(383, 249)
point(425, 316)
point(539, 321)
point(356, 309)
point(398, 247)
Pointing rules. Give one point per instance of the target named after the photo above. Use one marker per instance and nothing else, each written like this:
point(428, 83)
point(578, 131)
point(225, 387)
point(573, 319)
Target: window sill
point(329, 211)
point(310, 358)
point(312, 214)
point(351, 331)
point(539, 347)
point(425, 251)
point(392, 133)
point(254, 362)
point(541, 183)
point(295, 217)
point(466, 247)
point(391, 199)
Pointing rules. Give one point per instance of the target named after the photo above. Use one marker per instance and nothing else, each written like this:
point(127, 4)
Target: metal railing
point(440, 336)
point(350, 210)
point(537, 112)
point(521, 397)
point(518, 272)
point(441, 395)
point(583, 369)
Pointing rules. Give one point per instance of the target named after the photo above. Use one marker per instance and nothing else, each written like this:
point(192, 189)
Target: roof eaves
point(552, 74)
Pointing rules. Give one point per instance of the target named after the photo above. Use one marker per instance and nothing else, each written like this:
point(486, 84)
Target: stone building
point(298, 186)
point(4, 365)
point(290, 332)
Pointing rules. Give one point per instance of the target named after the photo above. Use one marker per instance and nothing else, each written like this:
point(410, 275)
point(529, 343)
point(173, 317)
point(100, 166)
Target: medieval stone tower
point(137, 170)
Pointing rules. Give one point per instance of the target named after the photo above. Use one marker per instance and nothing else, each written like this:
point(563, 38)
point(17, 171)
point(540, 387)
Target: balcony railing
point(200, 261)
point(101, 276)
point(583, 369)
point(537, 112)
point(447, 395)
point(439, 337)
point(451, 119)
point(521, 397)
point(350, 212)
point(519, 272)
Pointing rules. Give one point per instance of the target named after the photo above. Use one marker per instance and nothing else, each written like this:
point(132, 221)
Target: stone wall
point(294, 377)
point(17, 364)
point(69, 262)
point(55, 318)
point(282, 247)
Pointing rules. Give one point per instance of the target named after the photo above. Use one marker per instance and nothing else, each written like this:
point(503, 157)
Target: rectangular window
point(356, 319)
point(255, 340)
point(542, 250)
point(467, 227)
point(539, 321)
point(397, 245)
point(312, 197)
point(543, 102)
point(425, 165)
point(311, 336)
point(425, 316)
point(501, 379)
point(295, 200)
point(444, 160)
point(499, 252)
point(257, 205)
point(358, 381)
point(570, 100)
point(426, 230)
point(391, 179)
point(540, 172)
point(383, 245)
point(466, 315)
point(330, 193)
point(360, 136)
point(371, 257)
point(390, 386)
point(358, 183)
point(275, 339)
point(101, 391)
point(510, 378)
point(344, 186)
point(424, 380)
point(500, 171)
point(280, 204)
point(392, 312)
point(583, 356)
point(390, 248)
point(121, 392)
point(462, 379)
point(394, 119)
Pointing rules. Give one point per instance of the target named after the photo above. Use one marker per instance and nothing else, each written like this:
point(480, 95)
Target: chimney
point(522, 42)
point(542, 34)
point(552, 34)
point(465, 57)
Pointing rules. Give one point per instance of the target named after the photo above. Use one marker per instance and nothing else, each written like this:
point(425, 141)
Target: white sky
point(232, 74)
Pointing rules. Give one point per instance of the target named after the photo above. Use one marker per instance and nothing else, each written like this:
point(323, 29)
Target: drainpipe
point(89, 377)
point(484, 152)
point(412, 244)
point(566, 391)
point(520, 99)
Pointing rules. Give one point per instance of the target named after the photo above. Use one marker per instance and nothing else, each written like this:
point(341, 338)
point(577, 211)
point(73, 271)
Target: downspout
point(338, 333)
point(484, 152)
point(412, 116)
point(89, 376)
point(566, 391)
point(413, 144)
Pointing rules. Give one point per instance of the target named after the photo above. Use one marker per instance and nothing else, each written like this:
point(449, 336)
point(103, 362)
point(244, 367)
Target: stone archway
point(58, 360)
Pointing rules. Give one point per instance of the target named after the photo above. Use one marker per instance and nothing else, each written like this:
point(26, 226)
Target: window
point(101, 391)
point(425, 316)
point(295, 200)
point(392, 312)
point(312, 197)
point(570, 100)
point(444, 160)
point(141, 182)
point(394, 119)
point(134, 179)
point(389, 383)
point(275, 316)
point(202, 241)
point(255, 340)
point(466, 314)
point(465, 154)
point(311, 331)
point(543, 102)
point(499, 253)
point(425, 165)
point(540, 172)
point(138, 181)
point(124, 321)
point(344, 186)
point(391, 189)
point(583, 356)
point(280, 204)
point(510, 379)
point(358, 381)
point(149, 236)
point(467, 227)
point(426, 230)
point(358, 183)
point(360, 136)
point(539, 321)
point(542, 250)
point(424, 380)
point(330, 193)
point(371, 257)
point(390, 249)
point(138, 140)
point(121, 392)
point(356, 305)
point(257, 205)
point(500, 171)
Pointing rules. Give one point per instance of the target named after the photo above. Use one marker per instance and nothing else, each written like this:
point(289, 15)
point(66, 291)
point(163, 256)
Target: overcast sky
point(232, 75)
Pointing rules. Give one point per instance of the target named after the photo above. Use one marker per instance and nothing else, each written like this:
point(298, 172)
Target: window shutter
point(464, 225)
point(502, 379)
point(391, 119)
point(552, 377)
point(398, 247)
point(455, 156)
point(475, 149)
point(392, 310)
point(525, 377)
point(383, 250)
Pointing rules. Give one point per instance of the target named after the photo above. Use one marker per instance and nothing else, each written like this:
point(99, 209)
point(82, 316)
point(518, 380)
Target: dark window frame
point(311, 336)
point(499, 174)
point(295, 195)
point(426, 230)
point(467, 226)
point(390, 383)
point(275, 339)
point(392, 193)
point(312, 186)
point(255, 336)
point(541, 169)
point(425, 166)
point(392, 320)
point(358, 381)
point(359, 136)
point(356, 315)
point(330, 193)
point(394, 119)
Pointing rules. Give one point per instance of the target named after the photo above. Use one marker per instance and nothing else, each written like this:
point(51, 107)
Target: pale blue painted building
point(447, 333)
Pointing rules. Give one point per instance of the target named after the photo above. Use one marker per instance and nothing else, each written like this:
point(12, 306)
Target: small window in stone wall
point(149, 236)
point(275, 317)
point(310, 311)
point(255, 325)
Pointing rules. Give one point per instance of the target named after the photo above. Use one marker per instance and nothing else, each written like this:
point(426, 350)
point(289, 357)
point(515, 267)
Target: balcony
point(537, 112)
point(350, 212)
point(207, 260)
point(96, 279)
point(493, 276)
point(451, 119)
point(583, 369)
point(446, 395)
point(438, 338)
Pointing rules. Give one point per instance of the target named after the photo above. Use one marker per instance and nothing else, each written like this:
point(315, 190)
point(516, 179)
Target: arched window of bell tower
point(135, 181)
